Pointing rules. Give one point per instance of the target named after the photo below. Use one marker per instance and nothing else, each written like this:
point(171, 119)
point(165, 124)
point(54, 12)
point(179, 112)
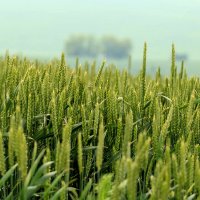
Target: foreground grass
point(72, 133)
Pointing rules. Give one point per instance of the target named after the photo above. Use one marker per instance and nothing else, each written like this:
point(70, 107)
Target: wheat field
point(94, 132)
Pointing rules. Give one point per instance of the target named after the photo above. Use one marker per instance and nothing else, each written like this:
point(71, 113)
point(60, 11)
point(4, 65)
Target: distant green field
point(98, 131)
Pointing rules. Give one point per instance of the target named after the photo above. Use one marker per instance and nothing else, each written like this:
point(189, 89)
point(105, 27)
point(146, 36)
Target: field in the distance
point(95, 132)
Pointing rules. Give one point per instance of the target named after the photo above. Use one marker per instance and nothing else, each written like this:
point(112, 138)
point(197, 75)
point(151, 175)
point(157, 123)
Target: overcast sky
point(40, 27)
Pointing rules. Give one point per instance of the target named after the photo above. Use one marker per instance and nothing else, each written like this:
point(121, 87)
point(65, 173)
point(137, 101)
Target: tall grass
point(80, 133)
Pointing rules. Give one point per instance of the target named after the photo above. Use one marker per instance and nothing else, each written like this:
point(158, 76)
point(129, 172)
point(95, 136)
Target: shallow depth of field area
point(96, 132)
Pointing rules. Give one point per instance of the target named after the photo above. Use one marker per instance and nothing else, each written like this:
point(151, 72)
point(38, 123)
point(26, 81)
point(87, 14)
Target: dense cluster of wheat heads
point(95, 132)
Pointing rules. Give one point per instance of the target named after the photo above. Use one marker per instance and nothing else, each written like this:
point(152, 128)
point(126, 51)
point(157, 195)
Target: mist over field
point(39, 29)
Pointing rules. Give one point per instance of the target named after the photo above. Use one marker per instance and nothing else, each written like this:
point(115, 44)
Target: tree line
point(89, 46)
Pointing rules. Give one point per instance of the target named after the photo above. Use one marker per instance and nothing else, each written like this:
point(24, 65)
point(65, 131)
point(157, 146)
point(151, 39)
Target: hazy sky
point(40, 27)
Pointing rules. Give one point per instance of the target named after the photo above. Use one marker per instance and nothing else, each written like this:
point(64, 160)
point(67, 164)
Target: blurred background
point(94, 30)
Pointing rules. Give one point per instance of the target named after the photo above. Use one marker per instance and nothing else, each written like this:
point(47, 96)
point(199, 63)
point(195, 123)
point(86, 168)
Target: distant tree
point(181, 56)
point(115, 48)
point(88, 46)
point(82, 45)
